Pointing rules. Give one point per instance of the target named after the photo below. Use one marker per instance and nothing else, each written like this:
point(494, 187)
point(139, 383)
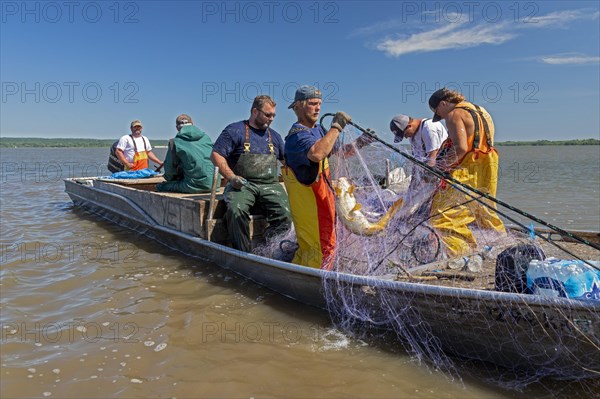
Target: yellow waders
point(478, 169)
point(313, 213)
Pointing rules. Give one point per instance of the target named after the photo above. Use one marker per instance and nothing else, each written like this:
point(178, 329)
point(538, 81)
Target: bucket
point(511, 267)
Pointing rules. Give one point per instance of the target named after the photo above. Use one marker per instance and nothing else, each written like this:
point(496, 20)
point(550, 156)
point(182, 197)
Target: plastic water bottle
point(487, 252)
point(458, 263)
point(564, 278)
point(473, 263)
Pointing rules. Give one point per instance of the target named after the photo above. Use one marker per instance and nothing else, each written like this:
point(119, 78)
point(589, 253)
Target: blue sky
point(86, 69)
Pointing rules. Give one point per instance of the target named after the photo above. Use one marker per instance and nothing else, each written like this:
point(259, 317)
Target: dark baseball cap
point(306, 93)
point(434, 101)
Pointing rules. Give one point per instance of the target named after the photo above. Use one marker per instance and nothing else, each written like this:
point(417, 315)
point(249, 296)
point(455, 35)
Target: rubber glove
point(340, 120)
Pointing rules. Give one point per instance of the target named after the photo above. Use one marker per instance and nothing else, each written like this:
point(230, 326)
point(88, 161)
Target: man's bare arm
point(322, 147)
point(219, 161)
point(431, 157)
point(154, 158)
point(121, 156)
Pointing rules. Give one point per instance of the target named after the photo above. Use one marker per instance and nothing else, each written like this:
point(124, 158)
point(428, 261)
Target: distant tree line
point(548, 142)
point(21, 142)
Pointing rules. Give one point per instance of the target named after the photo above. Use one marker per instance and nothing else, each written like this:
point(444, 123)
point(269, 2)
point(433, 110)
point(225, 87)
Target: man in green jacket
point(188, 168)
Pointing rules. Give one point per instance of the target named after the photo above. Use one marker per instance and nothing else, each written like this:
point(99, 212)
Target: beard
point(261, 125)
point(313, 117)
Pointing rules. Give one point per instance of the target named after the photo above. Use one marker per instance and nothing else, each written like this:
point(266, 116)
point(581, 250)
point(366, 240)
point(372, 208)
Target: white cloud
point(569, 59)
point(454, 35)
point(557, 18)
point(446, 37)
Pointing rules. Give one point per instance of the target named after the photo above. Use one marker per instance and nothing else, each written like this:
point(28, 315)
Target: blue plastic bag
point(134, 174)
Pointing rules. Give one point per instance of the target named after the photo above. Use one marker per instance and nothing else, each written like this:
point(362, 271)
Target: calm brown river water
point(91, 310)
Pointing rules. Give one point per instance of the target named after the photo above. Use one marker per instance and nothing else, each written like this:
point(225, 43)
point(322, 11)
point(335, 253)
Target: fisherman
point(134, 149)
point(425, 136)
point(475, 163)
point(307, 178)
point(188, 168)
point(246, 153)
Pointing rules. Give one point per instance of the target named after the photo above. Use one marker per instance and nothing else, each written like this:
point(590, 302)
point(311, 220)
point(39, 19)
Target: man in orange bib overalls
point(134, 150)
point(474, 162)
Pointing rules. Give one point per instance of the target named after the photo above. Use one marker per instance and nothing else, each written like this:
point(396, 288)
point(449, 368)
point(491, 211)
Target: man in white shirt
point(134, 150)
point(426, 137)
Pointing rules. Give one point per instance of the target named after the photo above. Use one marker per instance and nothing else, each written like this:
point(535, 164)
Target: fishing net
point(506, 309)
point(483, 310)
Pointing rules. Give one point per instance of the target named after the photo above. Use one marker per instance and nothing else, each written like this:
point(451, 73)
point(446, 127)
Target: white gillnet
point(446, 315)
point(456, 332)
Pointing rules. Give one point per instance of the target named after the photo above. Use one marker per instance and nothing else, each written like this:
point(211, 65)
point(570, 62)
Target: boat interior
point(202, 215)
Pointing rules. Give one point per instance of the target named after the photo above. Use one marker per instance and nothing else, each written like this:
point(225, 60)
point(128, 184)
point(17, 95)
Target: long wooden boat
point(555, 337)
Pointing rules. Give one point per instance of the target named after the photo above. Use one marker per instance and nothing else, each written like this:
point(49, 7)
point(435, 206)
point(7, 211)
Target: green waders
point(263, 188)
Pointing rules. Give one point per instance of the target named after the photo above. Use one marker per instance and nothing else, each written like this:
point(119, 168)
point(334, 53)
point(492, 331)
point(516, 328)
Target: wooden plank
point(211, 205)
point(467, 276)
point(182, 214)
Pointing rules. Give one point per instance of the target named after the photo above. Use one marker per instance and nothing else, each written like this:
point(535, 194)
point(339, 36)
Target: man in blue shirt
point(247, 154)
point(308, 180)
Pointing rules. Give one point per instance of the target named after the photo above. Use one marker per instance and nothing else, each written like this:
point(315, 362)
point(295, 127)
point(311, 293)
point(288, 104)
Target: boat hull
point(555, 337)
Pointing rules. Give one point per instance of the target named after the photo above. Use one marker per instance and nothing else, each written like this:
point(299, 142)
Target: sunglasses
point(268, 114)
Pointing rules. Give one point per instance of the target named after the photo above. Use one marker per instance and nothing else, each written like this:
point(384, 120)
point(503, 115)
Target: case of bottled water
point(573, 279)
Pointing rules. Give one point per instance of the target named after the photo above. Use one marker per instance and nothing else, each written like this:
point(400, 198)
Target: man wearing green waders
point(246, 153)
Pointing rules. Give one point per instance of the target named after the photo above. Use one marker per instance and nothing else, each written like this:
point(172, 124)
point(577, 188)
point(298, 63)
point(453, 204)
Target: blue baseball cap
point(305, 93)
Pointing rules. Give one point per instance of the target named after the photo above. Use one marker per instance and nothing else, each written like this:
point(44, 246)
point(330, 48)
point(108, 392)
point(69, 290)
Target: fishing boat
point(555, 337)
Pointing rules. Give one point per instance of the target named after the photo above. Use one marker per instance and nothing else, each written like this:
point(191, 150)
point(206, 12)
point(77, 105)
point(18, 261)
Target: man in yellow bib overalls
point(473, 161)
